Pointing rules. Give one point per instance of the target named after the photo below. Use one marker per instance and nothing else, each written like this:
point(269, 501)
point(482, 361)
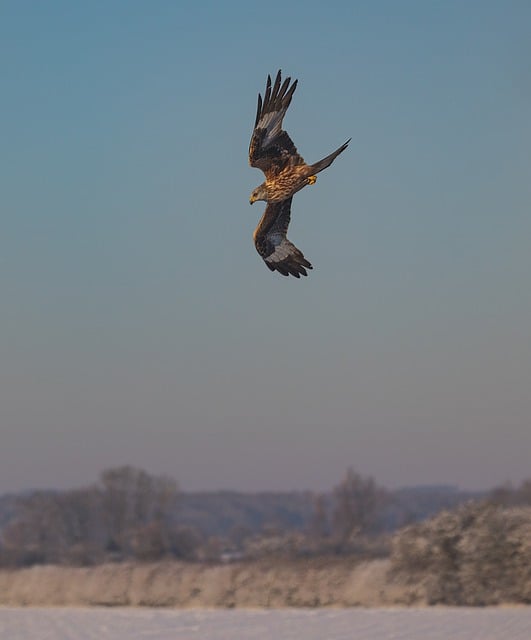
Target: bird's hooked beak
point(251, 200)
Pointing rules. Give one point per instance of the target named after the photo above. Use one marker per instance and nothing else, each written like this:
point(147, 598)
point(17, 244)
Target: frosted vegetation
point(479, 554)
point(134, 539)
point(132, 515)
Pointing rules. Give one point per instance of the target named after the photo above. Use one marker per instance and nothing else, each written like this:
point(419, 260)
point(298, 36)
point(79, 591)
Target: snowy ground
point(280, 624)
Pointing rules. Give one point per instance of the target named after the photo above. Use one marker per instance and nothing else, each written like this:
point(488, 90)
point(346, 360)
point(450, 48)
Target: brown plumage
point(272, 150)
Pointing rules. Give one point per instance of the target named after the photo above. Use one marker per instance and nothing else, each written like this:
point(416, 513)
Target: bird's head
point(260, 193)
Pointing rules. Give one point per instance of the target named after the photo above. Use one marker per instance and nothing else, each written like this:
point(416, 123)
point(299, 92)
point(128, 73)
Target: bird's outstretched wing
point(271, 242)
point(271, 149)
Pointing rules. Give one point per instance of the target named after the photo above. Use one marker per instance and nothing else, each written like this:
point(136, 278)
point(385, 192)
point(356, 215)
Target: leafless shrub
point(479, 554)
point(357, 501)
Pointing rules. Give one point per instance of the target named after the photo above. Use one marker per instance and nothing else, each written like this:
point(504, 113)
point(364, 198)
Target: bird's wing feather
point(271, 148)
point(272, 244)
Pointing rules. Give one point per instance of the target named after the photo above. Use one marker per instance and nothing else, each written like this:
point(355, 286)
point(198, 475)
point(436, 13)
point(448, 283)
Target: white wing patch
point(282, 250)
point(272, 123)
point(271, 242)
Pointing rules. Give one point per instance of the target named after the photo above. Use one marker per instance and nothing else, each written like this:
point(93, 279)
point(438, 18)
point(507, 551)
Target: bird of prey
point(272, 150)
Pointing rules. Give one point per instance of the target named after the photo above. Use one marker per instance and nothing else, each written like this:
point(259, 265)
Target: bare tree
point(357, 500)
point(133, 499)
point(54, 527)
point(525, 492)
point(130, 513)
point(507, 495)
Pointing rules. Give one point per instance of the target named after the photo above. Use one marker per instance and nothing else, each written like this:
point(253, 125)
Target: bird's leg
point(312, 179)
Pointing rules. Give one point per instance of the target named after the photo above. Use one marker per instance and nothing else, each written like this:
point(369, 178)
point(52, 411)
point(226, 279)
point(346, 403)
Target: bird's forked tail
point(326, 162)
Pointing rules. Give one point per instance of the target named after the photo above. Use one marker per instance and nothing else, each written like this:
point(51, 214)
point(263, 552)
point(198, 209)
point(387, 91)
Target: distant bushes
point(479, 554)
point(476, 554)
point(128, 515)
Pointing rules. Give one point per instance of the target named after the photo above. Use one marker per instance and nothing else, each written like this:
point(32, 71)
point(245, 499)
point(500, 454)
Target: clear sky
point(138, 324)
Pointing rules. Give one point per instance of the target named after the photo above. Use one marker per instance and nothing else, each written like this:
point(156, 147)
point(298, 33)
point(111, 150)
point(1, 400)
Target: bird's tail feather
point(326, 162)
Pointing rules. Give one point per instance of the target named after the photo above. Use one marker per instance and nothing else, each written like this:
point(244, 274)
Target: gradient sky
point(139, 326)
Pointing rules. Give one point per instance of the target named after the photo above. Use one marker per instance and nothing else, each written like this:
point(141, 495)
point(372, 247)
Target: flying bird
point(272, 150)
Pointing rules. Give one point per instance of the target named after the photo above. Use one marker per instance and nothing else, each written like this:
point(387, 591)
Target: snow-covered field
point(280, 624)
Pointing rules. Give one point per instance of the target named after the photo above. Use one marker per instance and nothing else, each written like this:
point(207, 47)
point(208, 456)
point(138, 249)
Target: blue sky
point(140, 326)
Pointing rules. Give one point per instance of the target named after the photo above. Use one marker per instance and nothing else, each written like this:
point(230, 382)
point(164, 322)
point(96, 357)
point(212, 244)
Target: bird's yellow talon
point(312, 179)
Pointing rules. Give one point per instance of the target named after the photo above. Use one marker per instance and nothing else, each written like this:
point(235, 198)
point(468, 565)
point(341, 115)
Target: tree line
point(132, 515)
point(129, 514)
